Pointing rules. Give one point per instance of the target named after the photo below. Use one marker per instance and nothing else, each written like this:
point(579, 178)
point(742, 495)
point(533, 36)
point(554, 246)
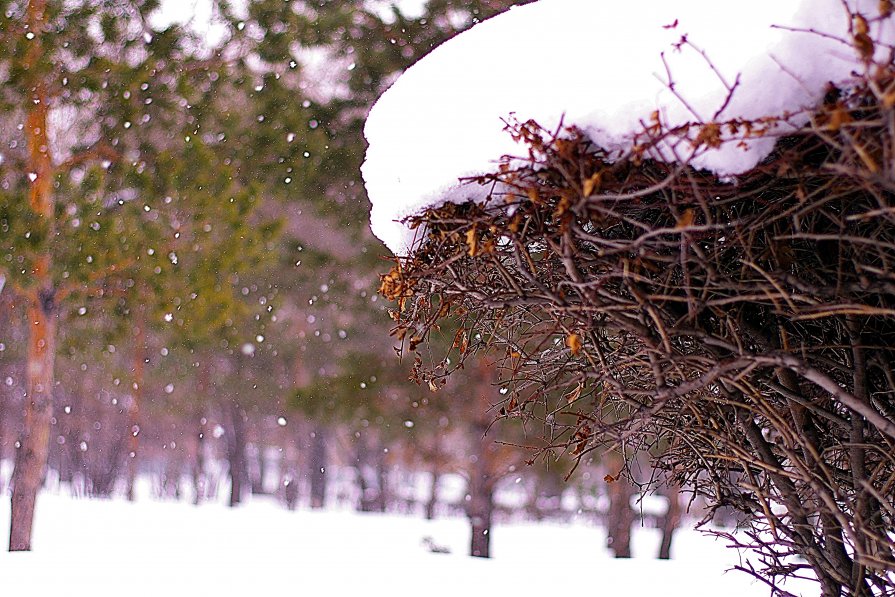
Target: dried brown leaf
point(591, 184)
point(573, 341)
point(472, 241)
point(686, 218)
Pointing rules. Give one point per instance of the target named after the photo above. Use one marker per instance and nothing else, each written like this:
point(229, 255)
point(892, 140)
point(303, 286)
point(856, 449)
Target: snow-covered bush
point(740, 328)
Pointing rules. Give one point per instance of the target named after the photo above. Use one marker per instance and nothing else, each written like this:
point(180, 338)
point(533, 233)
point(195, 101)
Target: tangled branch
point(742, 333)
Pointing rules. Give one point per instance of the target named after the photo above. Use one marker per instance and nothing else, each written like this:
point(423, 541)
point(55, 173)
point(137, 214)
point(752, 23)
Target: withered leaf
point(574, 394)
point(591, 184)
point(573, 341)
point(565, 202)
point(838, 117)
point(710, 135)
point(472, 241)
point(862, 41)
point(686, 218)
point(533, 195)
point(865, 46)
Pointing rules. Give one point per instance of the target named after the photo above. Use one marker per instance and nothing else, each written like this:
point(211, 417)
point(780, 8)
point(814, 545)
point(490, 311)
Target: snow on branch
point(606, 68)
point(727, 310)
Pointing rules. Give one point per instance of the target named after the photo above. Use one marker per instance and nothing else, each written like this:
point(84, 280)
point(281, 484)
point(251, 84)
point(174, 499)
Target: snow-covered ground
point(98, 547)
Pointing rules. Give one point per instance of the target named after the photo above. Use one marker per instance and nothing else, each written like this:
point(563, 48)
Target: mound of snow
point(604, 67)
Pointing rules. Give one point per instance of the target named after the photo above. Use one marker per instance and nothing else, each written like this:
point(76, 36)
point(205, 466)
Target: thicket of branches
point(742, 333)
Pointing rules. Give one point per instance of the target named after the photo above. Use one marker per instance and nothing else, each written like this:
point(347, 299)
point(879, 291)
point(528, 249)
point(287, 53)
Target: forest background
point(188, 287)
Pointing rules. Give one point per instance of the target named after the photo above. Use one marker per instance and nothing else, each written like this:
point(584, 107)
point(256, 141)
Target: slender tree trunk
point(290, 489)
point(432, 502)
point(32, 457)
point(62, 446)
point(203, 391)
point(436, 460)
point(367, 493)
point(621, 515)
point(671, 521)
point(3, 410)
point(481, 498)
point(133, 409)
point(66, 472)
point(381, 481)
point(236, 451)
point(77, 424)
point(369, 458)
point(290, 479)
point(317, 465)
point(534, 511)
point(199, 480)
point(258, 470)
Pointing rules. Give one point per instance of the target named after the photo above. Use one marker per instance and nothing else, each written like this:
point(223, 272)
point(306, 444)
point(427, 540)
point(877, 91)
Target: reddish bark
point(621, 516)
point(34, 444)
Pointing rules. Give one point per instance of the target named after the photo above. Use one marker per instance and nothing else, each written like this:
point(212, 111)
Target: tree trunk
point(236, 451)
point(317, 465)
point(63, 446)
point(199, 479)
point(259, 470)
point(437, 461)
point(367, 492)
point(481, 496)
point(481, 513)
point(290, 489)
point(381, 481)
point(620, 516)
point(133, 408)
point(369, 462)
point(203, 394)
point(32, 456)
point(3, 410)
point(432, 502)
point(671, 521)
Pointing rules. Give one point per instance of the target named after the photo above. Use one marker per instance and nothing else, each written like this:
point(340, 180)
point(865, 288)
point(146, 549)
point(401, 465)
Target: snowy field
point(96, 547)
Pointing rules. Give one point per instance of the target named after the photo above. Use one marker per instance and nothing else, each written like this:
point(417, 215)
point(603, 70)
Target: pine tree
point(111, 191)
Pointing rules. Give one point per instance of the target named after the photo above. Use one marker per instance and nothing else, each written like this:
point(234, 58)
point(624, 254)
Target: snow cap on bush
point(609, 68)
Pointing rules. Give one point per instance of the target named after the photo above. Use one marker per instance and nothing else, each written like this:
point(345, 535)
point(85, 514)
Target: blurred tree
point(455, 429)
point(124, 188)
point(330, 61)
point(141, 168)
